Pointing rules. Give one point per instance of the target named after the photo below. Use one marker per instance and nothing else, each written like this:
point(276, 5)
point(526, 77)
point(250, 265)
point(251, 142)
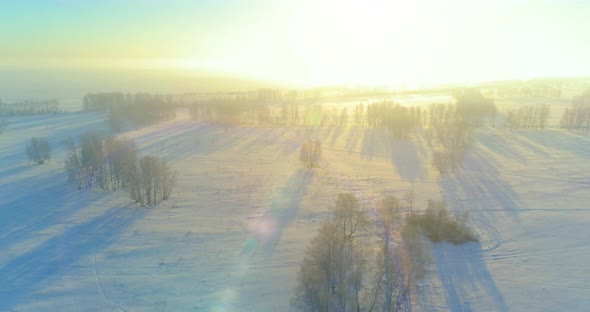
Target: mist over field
point(294, 156)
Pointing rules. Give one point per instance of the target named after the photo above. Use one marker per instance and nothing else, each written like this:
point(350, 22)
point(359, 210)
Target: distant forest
point(29, 107)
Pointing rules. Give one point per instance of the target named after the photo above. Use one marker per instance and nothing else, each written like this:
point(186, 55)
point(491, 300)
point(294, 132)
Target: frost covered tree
point(348, 215)
point(38, 150)
point(73, 162)
point(339, 271)
point(151, 181)
point(334, 269)
point(391, 280)
point(121, 157)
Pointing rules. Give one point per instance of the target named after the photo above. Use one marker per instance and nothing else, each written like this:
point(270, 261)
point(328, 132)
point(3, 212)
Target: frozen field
point(232, 236)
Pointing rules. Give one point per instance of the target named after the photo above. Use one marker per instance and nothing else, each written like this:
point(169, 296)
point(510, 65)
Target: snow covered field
point(233, 234)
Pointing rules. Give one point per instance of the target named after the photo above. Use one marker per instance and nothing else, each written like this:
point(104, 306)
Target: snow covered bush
point(438, 225)
point(38, 150)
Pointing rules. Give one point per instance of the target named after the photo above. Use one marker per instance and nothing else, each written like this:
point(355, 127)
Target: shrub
point(438, 225)
point(39, 150)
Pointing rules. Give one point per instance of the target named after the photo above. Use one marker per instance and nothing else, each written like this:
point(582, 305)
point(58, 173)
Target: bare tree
point(339, 274)
point(39, 150)
point(151, 181)
point(331, 276)
point(348, 216)
point(310, 153)
point(393, 280)
point(73, 162)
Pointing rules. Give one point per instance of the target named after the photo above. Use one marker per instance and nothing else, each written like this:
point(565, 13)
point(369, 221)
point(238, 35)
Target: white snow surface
point(233, 234)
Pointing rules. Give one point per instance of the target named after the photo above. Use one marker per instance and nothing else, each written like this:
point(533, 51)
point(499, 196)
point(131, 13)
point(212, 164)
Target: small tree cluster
point(438, 225)
point(151, 181)
point(99, 161)
point(578, 115)
point(527, 117)
point(397, 119)
point(339, 273)
point(449, 135)
point(112, 163)
point(474, 108)
point(310, 153)
point(38, 150)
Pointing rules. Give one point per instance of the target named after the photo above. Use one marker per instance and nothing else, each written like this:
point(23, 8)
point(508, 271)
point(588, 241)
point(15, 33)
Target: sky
point(302, 43)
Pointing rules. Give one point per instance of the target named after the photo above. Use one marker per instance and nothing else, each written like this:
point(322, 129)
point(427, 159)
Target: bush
point(39, 150)
point(438, 225)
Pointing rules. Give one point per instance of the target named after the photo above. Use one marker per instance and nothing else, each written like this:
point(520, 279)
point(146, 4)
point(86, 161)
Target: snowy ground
point(232, 236)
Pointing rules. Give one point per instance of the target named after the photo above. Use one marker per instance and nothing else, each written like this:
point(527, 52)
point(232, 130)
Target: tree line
point(133, 110)
point(29, 107)
point(527, 117)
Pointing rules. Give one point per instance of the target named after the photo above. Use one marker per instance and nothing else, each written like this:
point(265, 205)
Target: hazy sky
point(305, 42)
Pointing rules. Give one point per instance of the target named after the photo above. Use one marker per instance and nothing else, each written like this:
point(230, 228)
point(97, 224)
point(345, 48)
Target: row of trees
point(399, 120)
point(29, 107)
point(111, 163)
point(131, 109)
point(527, 117)
point(243, 110)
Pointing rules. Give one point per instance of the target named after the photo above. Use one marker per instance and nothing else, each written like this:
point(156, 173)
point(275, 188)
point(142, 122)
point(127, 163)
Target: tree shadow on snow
point(352, 138)
point(406, 159)
point(465, 277)
point(499, 145)
point(24, 275)
point(480, 189)
point(283, 211)
point(30, 206)
point(375, 144)
point(577, 143)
